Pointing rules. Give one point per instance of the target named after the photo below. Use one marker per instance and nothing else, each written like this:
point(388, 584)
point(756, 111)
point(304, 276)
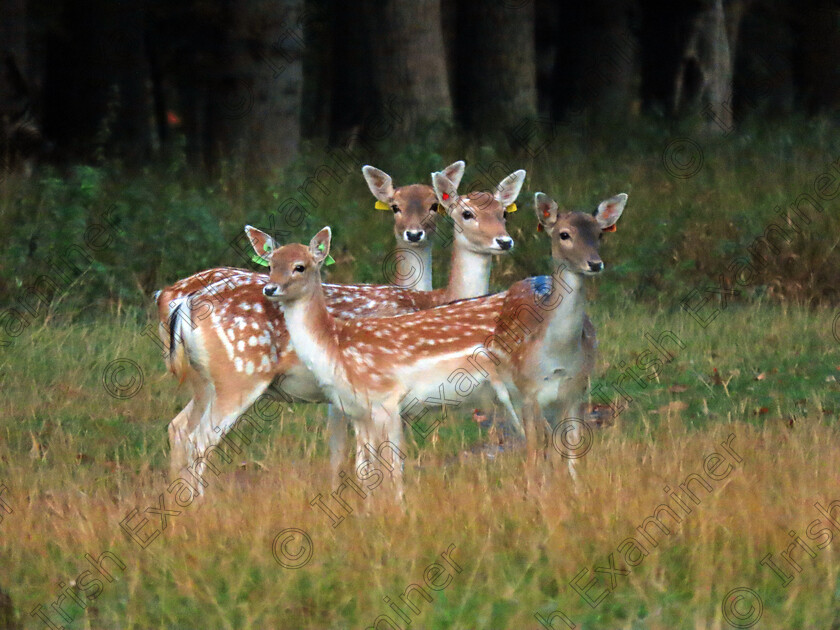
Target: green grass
point(520, 543)
point(76, 460)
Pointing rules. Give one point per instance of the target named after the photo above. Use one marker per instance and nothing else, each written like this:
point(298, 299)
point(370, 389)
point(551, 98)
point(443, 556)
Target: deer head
point(576, 236)
point(294, 269)
point(480, 218)
point(414, 207)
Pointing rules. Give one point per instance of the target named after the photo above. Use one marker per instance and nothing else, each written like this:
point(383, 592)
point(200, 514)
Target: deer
point(247, 330)
point(414, 210)
point(369, 367)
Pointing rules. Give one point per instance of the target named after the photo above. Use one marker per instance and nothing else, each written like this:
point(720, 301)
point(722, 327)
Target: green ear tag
point(329, 259)
point(266, 247)
point(260, 260)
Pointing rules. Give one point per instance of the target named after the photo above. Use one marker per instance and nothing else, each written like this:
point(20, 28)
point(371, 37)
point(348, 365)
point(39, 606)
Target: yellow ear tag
point(511, 208)
point(381, 205)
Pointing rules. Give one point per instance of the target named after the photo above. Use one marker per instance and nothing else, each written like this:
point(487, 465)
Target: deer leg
point(220, 415)
point(512, 418)
point(564, 436)
point(532, 418)
point(181, 449)
point(178, 436)
point(361, 427)
point(387, 429)
point(337, 431)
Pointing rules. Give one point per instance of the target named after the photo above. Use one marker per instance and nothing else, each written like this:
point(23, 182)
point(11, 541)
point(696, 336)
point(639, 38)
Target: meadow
point(490, 544)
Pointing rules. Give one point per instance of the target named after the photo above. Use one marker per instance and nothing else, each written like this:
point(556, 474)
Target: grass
point(76, 461)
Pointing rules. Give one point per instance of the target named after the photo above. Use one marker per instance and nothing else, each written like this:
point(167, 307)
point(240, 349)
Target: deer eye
point(395, 208)
point(434, 208)
point(299, 269)
point(467, 214)
point(565, 236)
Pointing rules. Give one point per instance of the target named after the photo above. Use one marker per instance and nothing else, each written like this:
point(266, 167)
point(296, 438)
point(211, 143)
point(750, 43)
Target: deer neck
point(416, 256)
point(564, 323)
point(313, 332)
point(469, 274)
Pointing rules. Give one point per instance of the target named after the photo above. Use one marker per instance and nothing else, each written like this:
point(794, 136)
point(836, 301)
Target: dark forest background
point(176, 123)
point(255, 79)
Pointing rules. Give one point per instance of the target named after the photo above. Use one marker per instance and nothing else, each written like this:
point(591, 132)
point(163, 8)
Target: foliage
point(677, 232)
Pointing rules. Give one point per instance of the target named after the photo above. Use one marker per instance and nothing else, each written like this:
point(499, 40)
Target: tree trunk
point(495, 70)
point(409, 66)
point(705, 77)
point(254, 99)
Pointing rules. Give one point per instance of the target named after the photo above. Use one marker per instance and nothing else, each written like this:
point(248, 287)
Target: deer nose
point(414, 236)
point(270, 290)
point(505, 243)
point(596, 266)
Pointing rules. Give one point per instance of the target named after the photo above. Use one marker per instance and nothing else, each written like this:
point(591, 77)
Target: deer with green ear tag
point(238, 343)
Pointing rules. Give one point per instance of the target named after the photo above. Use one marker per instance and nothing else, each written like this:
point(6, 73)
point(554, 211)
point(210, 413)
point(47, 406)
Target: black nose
point(269, 290)
point(414, 236)
point(505, 243)
point(596, 266)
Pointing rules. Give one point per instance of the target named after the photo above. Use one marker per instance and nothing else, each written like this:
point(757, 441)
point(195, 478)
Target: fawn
point(369, 367)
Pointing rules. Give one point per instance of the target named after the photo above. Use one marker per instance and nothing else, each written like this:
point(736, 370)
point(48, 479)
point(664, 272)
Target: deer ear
point(454, 172)
point(546, 209)
point(319, 246)
point(508, 189)
point(446, 191)
point(380, 184)
point(262, 243)
point(609, 211)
